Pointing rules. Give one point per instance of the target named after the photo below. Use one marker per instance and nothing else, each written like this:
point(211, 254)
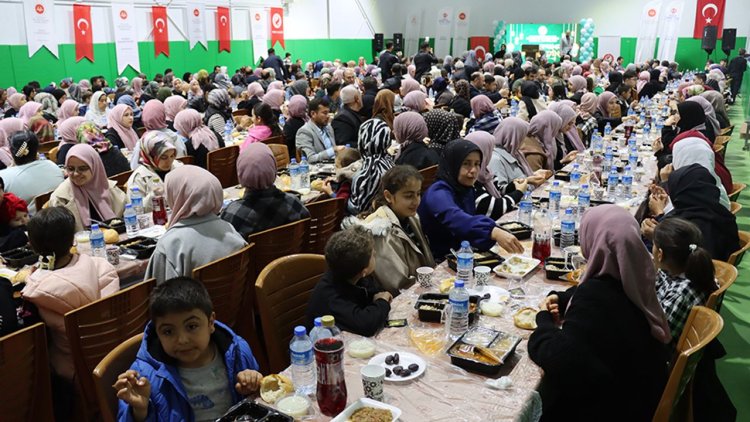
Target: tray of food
point(555, 268)
point(18, 257)
point(367, 410)
point(516, 266)
point(116, 224)
point(430, 306)
point(516, 228)
point(139, 246)
point(562, 175)
point(247, 410)
point(486, 258)
point(483, 350)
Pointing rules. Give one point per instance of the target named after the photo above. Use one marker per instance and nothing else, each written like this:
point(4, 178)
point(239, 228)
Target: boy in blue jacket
point(189, 366)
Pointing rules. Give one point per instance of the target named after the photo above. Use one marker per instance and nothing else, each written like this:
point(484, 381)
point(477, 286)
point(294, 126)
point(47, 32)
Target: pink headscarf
point(29, 110)
point(276, 85)
point(611, 242)
point(577, 70)
point(578, 83)
point(409, 85)
point(137, 85)
point(190, 125)
point(298, 107)
point(545, 125)
point(274, 98)
point(85, 84)
point(255, 90)
point(8, 127)
point(409, 127)
point(489, 67)
point(568, 114)
point(415, 101)
point(127, 134)
point(172, 105)
point(15, 100)
point(588, 103)
point(69, 130)
point(486, 144)
point(603, 102)
point(411, 70)
point(192, 191)
point(96, 191)
point(481, 105)
point(256, 167)
point(154, 115)
point(509, 135)
point(68, 109)
point(643, 79)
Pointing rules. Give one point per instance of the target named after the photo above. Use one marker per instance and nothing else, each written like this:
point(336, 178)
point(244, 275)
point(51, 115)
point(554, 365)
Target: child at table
point(187, 362)
point(357, 302)
point(14, 215)
point(348, 162)
point(61, 282)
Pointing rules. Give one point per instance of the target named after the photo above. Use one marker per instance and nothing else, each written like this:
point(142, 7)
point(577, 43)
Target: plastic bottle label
point(459, 306)
point(568, 226)
point(302, 358)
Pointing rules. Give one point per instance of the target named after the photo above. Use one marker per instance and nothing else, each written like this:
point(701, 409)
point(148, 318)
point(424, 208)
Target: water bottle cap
point(318, 322)
point(128, 206)
point(465, 244)
point(568, 211)
point(294, 161)
point(328, 320)
point(94, 227)
point(458, 283)
point(627, 168)
point(300, 331)
point(135, 189)
point(555, 183)
point(584, 186)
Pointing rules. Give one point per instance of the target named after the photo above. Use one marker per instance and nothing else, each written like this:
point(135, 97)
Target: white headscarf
point(93, 114)
point(696, 151)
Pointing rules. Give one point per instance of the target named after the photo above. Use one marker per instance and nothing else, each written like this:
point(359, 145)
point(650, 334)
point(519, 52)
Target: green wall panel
point(627, 49)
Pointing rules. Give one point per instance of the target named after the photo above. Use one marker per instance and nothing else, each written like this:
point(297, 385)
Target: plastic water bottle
point(631, 112)
point(607, 129)
point(318, 331)
point(294, 173)
point(329, 327)
point(282, 120)
point(465, 263)
point(568, 229)
point(304, 174)
point(131, 221)
point(612, 180)
point(632, 142)
point(513, 108)
point(584, 200)
point(303, 369)
point(627, 183)
point(96, 238)
point(555, 196)
point(575, 179)
point(459, 303)
point(525, 207)
point(633, 157)
point(136, 198)
point(228, 131)
point(608, 157)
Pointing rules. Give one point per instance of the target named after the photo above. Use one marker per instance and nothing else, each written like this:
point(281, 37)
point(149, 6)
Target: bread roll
point(274, 387)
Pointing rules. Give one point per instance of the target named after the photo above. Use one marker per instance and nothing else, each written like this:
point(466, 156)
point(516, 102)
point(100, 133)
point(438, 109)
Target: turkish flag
point(481, 46)
point(82, 26)
point(223, 29)
point(161, 30)
point(277, 26)
point(709, 12)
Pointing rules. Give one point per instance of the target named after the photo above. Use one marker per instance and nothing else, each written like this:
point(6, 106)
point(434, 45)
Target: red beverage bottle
point(542, 248)
point(159, 212)
point(331, 392)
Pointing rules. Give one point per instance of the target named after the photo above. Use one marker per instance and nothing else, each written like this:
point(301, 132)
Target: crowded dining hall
point(375, 211)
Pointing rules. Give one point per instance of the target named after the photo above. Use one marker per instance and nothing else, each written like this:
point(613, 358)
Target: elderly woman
point(200, 139)
point(411, 130)
point(195, 234)
point(97, 111)
point(486, 116)
point(157, 157)
point(31, 115)
point(263, 206)
point(87, 192)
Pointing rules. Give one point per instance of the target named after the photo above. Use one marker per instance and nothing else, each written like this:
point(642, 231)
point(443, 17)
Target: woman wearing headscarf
point(486, 116)
point(87, 192)
point(530, 103)
point(448, 64)
point(200, 139)
point(442, 127)
point(154, 118)
point(263, 205)
point(137, 85)
point(710, 113)
point(149, 93)
point(410, 130)
point(577, 85)
point(68, 109)
point(276, 85)
point(172, 106)
point(615, 80)
point(120, 131)
point(299, 87)
point(218, 113)
point(448, 207)
point(643, 78)
point(443, 95)
point(31, 115)
point(97, 111)
point(157, 157)
point(508, 162)
point(49, 104)
point(113, 160)
point(255, 95)
point(68, 131)
point(586, 121)
point(540, 145)
point(614, 305)
point(275, 99)
point(717, 101)
point(696, 150)
point(690, 121)
point(16, 101)
point(608, 111)
point(130, 102)
point(8, 127)
point(195, 234)
point(653, 86)
point(461, 103)
point(221, 81)
point(569, 144)
point(415, 101)
point(374, 138)
point(408, 86)
point(297, 110)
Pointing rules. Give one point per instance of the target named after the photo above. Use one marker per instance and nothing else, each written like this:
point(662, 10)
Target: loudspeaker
point(728, 40)
point(708, 42)
point(398, 42)
point(377, 43)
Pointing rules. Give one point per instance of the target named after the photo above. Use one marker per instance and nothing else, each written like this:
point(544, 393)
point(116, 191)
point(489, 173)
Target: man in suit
point(347, 121)
point(737, 68)
point(387, 59)
point(274, 62)
point(316, 139)
point(423, 61)
point(566, 44)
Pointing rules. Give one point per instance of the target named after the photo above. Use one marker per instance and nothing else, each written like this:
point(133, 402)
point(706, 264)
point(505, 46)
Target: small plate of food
point(516, 266)
point(367, 410)
point(400, 366)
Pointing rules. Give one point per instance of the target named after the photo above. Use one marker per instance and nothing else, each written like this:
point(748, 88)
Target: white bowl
point(365, 402)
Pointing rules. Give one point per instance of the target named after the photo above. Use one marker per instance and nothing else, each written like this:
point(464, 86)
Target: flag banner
point(83, 32)
point(668, 28)
point(39, 18)
point(709, 12)
point(460, 32)
point(277, 26)
point(223, 29)
point(196, 24)
point(646, 43)
point(443, 32)
point(161, 30)
point(259, 29)
point(480, 45)
point(126, 40)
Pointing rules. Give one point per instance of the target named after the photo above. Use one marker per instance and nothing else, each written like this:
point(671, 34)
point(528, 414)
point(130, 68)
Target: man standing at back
point(737, 68)
point(566, 44)
point(274, 62)
point(387, 59)
point(424, 61)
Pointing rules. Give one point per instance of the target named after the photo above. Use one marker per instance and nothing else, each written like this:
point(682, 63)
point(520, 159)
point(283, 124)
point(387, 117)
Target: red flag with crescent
point(277, 26)
point(223, 29)
point(83, 33)
point(161, 30)
point(481, 46)
point(709, 12)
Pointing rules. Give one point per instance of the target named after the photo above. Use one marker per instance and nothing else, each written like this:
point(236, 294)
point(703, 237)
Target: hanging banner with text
point(670, 24)
point(259, 28)
point(83, 32)
point(411, 33)
point(161, 30)
point(460, 32)
point(223, 29)
point(709, 12)
point(196, 24)
point(39, 16)
point(443, 32)
point(126, 41)
point(646, 44)
point(277, 26)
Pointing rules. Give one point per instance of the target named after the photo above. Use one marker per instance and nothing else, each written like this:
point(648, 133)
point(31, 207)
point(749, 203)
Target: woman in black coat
point(608, 360)
point(411, 130)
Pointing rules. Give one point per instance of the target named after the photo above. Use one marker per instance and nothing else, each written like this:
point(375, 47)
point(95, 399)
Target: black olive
point(405, 373)
point(389, 360)
point(395, 358)
point(387, 372)
point(414, 367)
point(397, 370)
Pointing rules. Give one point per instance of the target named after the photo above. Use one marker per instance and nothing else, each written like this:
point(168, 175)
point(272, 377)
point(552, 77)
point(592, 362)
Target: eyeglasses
point(79, 170)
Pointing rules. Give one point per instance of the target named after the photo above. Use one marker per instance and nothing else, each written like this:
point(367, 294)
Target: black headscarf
point(453, 158)
point(652, 87)
point(529, 92)
point(439, 85)
point(695, 197)
point(691, 116)
point(615, 80)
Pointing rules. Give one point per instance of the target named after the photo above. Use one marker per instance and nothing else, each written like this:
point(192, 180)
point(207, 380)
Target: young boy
point(346, 291)
point(187, 361)
point(348, 161)
point(14, 215)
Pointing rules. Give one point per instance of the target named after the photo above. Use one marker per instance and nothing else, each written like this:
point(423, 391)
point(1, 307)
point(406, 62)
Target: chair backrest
point(720, 149)
point(722, 140)
point(240, 112)
point(279, 140)
point(222, 163)
point(735, 207)
point(325, 218)
point(429, 175)
point(25, 379)
point(281, 154)
point(140, 131)
point(725, 275)
point(226, 280)
point(53, 154)
point(97, 328)
point(46, 147)
point(283, 289)
point(737, 189)
point(186, 159)
point(113, 364)
point(121, 179)
point(736, 257)
point(727, 131)
point(277, 242)
point(702, 326)
point(42, 199)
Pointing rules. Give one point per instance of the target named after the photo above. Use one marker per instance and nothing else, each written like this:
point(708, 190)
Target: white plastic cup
point(482, 275)
point(372, 381)
point(424, 276)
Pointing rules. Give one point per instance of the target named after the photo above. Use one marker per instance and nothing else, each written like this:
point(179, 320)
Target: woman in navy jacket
point(447, 208)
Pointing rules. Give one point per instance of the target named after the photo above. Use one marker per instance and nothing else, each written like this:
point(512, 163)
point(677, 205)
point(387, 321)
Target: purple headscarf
point(481, 105)
point(486, 144)
point(415, 101)
point(509, 135)
point(298, 107)
point(568, 114)
point(274, 98)
point(545, 126)
point(409, 127)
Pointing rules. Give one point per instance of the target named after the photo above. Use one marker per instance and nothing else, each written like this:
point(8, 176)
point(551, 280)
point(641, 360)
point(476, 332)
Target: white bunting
point(40, 26)
point(126, 40)
point(196, 23)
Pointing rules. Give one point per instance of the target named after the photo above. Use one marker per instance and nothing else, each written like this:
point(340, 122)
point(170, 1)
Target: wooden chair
point(429, 175)
point(41, 199)
point(735, 207)
point(140, 131)
point(187, 159)
point(24, 366)
point(703, 325)
point(737, 189)
point(240, 112)
point(283, 289)
point(121, 179)
point(727, 131)
point(97, 328)
point(46, 147)
point(722, 140)
point(736, 257)
point(281, 153)
point(106, 372)
point(721, 149)
point(278, 140)
point(325, 219)
point(222, 163)
point(725, 275)
point(53, 154)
